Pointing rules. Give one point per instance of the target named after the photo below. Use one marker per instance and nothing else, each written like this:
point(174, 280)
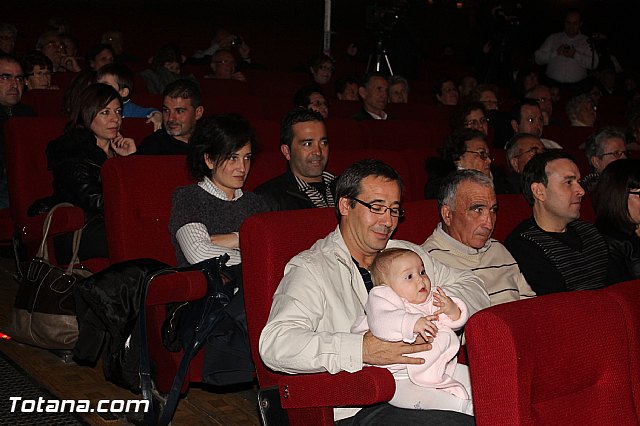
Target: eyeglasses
point(327, 68)
point(636, 192)
point(483, 154)
point(475, 123)
point(533, 150)
point(381, 209)
point(225, 61)
point(7, 78)
point(39, 74)
point(617, 154)
point(543, 100)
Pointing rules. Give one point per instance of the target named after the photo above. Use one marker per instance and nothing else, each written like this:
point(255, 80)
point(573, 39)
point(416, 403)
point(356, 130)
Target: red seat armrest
point(368, 386)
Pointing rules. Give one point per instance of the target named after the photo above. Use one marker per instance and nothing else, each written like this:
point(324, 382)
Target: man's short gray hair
point(595, 144)
point(449, 186)
point(574, 104)
point(396, 79)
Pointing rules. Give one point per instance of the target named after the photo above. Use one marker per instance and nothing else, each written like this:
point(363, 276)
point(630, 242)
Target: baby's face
point(408, 278)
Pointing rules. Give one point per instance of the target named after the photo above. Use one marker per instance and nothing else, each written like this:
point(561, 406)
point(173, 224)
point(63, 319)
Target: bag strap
point(43, 250)
point(205, 325)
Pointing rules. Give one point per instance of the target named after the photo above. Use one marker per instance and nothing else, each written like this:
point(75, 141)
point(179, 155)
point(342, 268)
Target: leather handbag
point(44, 312)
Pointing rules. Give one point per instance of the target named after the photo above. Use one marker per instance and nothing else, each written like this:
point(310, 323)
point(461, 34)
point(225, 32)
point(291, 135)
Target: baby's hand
point(445, 305)
point(426, 328)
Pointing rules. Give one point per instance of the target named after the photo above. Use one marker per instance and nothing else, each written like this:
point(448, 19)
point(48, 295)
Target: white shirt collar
point(208, 185)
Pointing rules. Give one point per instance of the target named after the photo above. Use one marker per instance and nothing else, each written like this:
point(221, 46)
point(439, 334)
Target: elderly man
point(520, 149)
point(542, 94)
point(50, 44)
point(374, 92)
point(581, 111)
point(325, 288)
point(223, 65)
point(603, 147)
point(568, 54)
point(468, 208)
point(12, 82)
point(556, 251)
point(398, 90)
point(303, 142)
point(181, 109)
point(526, 117)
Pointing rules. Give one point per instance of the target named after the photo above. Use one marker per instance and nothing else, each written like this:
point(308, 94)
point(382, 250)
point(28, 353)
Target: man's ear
point(344, 204)
point(596, 162)
point(513, 163)
point(514, 125)
point(445, 212)
point(285, 151)
point(539, 191)
point(124, 92)
point(439, 98)
point(362, 92)
point(199, 112)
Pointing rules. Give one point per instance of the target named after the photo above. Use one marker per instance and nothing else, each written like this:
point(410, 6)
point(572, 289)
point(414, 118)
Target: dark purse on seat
point(44, 312)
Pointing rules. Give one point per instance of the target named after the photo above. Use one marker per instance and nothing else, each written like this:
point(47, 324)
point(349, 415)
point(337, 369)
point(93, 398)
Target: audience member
point(80, 81)
point(206, 217)
point(120, 78)
point(374, 92)
point(446, 92)
point(181, 109)
point(468, 209)
point(11, 88)
point(99, 55)
point(223, 65)
point(556, 251)
point(321, 68)
point(166, 67)
point(616, 201)
point(520, 149)
point(542, 95)
point(526, 117)
point(568, 54)
point(37, 70)
point(466, 86)
point(8, 36)
point(581, 111)
point(404, 304)
point(312, 98)
point(115, 39)
point(50, 44)
point(223, 39)
point(398, 89)
point(70, 45)
point(526, 80)
point(462, 150)
point(470, 115)
point(347, 88)
point(499, 121)
point(304, 143)
point(324, 290)
point(603, 147)
point(91, 137)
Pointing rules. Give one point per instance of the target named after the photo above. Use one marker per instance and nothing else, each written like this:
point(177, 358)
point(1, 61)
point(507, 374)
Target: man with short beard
point(181, 109)
point(303, 142)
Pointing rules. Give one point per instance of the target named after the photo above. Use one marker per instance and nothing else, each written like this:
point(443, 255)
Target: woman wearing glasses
point(616, 201)
point(465, 149)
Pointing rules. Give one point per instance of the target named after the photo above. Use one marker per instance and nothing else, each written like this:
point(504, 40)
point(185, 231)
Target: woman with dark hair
point(206, 217)
point(616, 201)
point(99, 55)
point(90, 138)
point(470, 115)
point(464, 149)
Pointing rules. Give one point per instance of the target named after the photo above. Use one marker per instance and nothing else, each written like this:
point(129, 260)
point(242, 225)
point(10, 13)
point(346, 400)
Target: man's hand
point(380, 352)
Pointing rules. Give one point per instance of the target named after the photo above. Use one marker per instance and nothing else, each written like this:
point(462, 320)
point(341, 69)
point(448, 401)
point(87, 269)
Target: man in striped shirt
point(555, 250)
point(304, 143)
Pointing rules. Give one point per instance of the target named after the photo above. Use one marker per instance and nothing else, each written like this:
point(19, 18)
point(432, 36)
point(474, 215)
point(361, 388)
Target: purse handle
point(43, 250)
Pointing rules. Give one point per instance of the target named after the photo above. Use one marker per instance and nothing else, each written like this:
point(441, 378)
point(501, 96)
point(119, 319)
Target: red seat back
point(46, 103)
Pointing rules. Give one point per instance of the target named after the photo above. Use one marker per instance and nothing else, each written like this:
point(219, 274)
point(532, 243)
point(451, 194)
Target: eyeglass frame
point(482, 154)
point(616, 154)
point(533, 149)
point(375, 208)
point(476, 122)
point(634, 192)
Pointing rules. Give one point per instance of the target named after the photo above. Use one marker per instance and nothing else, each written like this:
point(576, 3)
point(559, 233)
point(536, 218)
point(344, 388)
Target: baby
point(400, 306)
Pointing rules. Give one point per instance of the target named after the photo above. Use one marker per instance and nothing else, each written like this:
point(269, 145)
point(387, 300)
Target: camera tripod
point(379, 55)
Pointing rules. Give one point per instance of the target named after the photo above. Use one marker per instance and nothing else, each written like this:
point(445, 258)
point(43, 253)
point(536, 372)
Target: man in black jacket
point(303, 139)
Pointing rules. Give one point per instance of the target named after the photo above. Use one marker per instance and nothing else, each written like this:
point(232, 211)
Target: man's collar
point(459, 246)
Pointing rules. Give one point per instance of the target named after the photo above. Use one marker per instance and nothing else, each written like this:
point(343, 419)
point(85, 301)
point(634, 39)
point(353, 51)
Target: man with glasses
point(542, 94)
point(555, 250)
point(51, 45)
point(603, 147)
point(468, 209)
point(325, 288)
point(11, 88)
point(520, 149)
point(223, 65)
point(526, 117)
